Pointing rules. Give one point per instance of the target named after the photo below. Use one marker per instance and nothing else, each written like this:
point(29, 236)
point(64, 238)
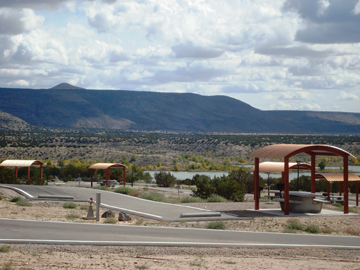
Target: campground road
point(120, 202)
point(45, 232)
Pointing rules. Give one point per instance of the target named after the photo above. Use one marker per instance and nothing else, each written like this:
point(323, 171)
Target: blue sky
point(273, 55)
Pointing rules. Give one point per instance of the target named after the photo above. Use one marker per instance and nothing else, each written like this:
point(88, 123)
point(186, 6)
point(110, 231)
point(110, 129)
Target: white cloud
point(347, 96)
point(281, 106)
point(252, 50)
point(299, 95)
point(310, 107)
point(356, 9)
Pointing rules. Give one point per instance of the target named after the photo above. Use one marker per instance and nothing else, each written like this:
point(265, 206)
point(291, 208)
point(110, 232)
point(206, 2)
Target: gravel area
point(102, 257)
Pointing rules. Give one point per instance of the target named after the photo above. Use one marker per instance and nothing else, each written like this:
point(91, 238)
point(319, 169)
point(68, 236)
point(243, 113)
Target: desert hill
point(69, 106)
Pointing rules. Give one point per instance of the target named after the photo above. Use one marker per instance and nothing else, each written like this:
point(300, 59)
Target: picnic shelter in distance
point(107, 167)
point(285, 152)
point(23, 163)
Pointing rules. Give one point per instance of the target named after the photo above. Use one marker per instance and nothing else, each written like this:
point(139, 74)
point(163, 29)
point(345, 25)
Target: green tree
point(203, 186)
point(147, 177)
point(7, 176)
point(229, 188)
point(164, 179)
point(243, 176)
point(322, 164)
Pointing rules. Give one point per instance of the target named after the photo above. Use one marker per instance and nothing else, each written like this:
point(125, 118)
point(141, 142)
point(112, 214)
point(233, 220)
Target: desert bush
point(243, 176)
point(294, 224)
point(23, 202)
point(69, 205)
point(313, 229)
point(110, 220)
point(164, 179)
point(72, 216)
point(216, 198)
point(191, 200)
point(229, 188)
point(203, 186)
point(216, 225)
point(7, 176)
point(123, 190)
point(4, 249)
point(287, 230)
point(153, 196)
point(15, 199)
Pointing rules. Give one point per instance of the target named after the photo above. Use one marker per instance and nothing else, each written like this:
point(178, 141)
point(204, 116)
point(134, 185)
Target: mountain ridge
point(149, 111)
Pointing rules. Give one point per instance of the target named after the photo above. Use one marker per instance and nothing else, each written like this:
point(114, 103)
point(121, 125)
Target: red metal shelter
point(107, 167)
point(285, 151)
point(339, 177)
point(23, 163)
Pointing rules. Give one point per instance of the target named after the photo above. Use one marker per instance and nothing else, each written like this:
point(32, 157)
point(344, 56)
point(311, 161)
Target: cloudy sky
point(273, 55)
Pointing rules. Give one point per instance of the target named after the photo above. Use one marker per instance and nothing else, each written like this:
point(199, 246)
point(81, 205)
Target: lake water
point(182, 175)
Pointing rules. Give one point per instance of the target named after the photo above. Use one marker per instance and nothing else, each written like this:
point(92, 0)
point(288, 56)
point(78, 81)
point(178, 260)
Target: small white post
point(98, 198)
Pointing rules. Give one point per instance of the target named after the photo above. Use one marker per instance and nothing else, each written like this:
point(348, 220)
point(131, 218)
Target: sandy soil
point(90, 257)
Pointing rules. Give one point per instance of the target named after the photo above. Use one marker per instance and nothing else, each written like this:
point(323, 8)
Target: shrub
point(191, 200)
point(153, 196)
point(123, 190)
point(313, 229)
point(15, 199)
point(216, 198)
point(110, 220)
point(70, 205)
point(294, 225)
point(4, 249)
point(229, 188)
point(203, 186)
point(216, 225)
point(164, 179)
point(243, 176)
point(23, 202)
point(287, 230)
point(72, 216)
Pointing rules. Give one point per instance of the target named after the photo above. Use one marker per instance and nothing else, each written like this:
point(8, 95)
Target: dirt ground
point(95, 257)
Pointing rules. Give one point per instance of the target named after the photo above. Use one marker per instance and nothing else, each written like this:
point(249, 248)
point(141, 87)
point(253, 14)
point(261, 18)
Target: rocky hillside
point(72, 107)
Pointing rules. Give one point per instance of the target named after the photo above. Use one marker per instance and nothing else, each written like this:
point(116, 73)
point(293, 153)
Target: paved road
point(131, 205)
point(24, 231)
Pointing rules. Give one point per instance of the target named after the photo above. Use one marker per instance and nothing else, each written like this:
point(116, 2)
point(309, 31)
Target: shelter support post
point(328, 190)
point(29, 173)
point(41, 171)
point(124, 176)
point(346, 184)
point(286, 186)
point(340, 192)
point(357, 193)
point(107, 176)
point(16, 172)
point(313, 182)
point(256, 183)
point(91, 177)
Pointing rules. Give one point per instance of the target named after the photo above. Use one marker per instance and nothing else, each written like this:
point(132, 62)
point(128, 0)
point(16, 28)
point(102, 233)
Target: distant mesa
point(66, 86)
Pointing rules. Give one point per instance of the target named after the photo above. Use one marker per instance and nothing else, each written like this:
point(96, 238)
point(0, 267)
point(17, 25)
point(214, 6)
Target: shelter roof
point(106, 165)
point(279, 166)
point(20, 163)
point(283, 150)
point(336, 177)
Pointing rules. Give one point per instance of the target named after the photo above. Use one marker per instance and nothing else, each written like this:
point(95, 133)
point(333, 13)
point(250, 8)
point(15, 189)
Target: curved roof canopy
point(283, 150)
point(339, 177)
point(279, 166)
point(106, 166)
point(20, 163)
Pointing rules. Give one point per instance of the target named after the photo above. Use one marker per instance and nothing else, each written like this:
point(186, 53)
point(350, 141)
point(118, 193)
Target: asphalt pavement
point(120, 202)
point(45, 232)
